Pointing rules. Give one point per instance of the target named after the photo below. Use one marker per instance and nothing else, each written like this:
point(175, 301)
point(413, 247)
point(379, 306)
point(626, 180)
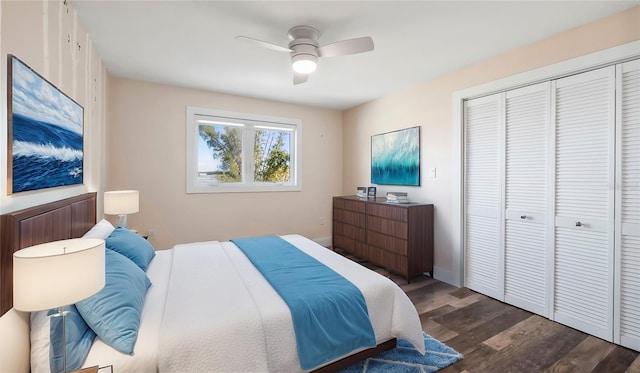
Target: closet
point(552, 200)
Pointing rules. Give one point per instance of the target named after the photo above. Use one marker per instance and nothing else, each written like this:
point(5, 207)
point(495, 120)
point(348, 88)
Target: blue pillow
point(131, 245)
point(114, 312)
point(79, 338)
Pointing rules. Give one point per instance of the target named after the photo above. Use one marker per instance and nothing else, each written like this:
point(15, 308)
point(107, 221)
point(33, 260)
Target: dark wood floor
point(496, 337)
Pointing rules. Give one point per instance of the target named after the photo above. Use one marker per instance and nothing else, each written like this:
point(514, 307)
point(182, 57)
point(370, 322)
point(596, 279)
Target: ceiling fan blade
point(265, 44)
point(345, 47)
point(299, 78)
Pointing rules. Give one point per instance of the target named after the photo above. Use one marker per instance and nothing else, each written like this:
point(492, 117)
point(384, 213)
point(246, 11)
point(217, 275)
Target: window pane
point(272, 155)
point(240, 152)
point(219, 154)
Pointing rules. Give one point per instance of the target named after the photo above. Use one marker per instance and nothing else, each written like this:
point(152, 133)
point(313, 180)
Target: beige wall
point(146, 144)
point(37, 32)
point(430, 105)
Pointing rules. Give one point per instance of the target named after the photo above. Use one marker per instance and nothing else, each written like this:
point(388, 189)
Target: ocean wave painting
point(47, 133)
point(395, 157)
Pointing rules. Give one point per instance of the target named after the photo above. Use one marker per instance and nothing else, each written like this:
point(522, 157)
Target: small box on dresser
point(398, 237)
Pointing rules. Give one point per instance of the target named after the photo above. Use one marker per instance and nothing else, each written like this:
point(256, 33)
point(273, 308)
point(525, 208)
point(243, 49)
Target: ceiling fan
point(304, 49)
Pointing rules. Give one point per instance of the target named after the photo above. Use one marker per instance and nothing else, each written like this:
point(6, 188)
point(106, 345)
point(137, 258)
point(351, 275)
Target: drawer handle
point(579, 224)
point(523, 216)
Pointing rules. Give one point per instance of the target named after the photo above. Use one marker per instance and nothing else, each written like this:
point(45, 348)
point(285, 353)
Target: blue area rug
point(404, 358)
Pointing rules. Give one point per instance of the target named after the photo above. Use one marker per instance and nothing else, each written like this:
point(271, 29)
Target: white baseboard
point(324, 241)
point(445, 275)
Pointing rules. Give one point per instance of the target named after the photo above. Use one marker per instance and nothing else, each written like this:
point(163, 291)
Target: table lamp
point(57, 274)
point(121, 203)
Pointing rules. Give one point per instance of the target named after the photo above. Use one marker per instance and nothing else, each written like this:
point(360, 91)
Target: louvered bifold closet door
point(483, 195)
point(584, 116)
point(525, 254)
point(627, 321)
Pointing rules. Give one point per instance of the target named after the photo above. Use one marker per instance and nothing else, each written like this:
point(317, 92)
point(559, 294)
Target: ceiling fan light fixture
point(304, 63)
point(304, 49)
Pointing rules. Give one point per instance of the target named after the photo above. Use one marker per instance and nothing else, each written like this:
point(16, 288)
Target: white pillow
point(40, 342)
point(101, 230)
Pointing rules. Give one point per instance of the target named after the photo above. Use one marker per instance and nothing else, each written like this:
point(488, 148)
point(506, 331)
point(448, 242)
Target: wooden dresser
point(398, 237)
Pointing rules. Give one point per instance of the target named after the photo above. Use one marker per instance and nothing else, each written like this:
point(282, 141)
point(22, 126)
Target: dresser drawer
point(348, 230)
point(394, 228)
point(350, 205)
point(349, 217)
point(348, 244)
point(388, 211)
point(388, 243)
point(391, 261)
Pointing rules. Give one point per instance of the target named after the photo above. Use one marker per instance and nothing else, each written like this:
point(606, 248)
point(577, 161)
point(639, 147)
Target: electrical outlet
point(321, 220)
point(432, 173)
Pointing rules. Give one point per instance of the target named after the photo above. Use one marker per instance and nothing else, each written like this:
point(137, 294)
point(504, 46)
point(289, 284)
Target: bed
point(189, 324)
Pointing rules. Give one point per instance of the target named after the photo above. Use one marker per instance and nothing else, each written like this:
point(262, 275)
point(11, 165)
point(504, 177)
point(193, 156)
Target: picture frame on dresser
point(371, 192)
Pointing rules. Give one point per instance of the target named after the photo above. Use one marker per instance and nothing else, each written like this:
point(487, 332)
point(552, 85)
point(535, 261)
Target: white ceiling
point(192, 44)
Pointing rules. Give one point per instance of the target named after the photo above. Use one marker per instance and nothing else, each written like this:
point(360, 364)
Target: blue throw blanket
point(329, 313)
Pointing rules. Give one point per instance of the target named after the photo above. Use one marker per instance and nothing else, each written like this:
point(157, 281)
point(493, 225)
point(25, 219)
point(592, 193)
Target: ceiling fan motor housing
point(304, 32)
point(304, 41)
point(303, 49)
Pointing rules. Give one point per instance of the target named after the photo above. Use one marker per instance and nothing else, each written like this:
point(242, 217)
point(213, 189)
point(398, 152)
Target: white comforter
point(221, 315)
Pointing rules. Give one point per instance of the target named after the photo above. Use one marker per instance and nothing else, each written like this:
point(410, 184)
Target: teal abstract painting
point(395, 157)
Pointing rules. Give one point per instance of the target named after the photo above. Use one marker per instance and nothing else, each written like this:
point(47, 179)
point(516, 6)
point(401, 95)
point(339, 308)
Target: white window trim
point(191, 173)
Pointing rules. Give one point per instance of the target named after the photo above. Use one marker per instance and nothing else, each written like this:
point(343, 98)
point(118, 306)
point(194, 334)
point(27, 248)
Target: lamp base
point(122, 221)
point(62, 312)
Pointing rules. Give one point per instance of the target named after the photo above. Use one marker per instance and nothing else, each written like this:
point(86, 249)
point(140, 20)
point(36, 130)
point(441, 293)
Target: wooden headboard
point(59, 220)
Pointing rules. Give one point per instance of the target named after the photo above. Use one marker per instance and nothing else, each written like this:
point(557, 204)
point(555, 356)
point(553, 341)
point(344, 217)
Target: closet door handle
point(523, 216)
point(579, 224)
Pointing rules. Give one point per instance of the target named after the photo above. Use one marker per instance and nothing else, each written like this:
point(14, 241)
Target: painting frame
point(45, 132)
point(395, 157)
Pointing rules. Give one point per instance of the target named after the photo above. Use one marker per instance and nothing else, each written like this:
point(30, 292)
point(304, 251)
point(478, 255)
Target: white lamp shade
point(57, 273)
point(121, 202)
point(304, 63)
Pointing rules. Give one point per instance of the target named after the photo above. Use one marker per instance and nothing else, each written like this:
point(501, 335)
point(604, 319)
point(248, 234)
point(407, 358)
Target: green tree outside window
point(271, 156)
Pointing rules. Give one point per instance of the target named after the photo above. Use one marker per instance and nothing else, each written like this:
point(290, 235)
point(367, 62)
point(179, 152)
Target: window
point(239, 152)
